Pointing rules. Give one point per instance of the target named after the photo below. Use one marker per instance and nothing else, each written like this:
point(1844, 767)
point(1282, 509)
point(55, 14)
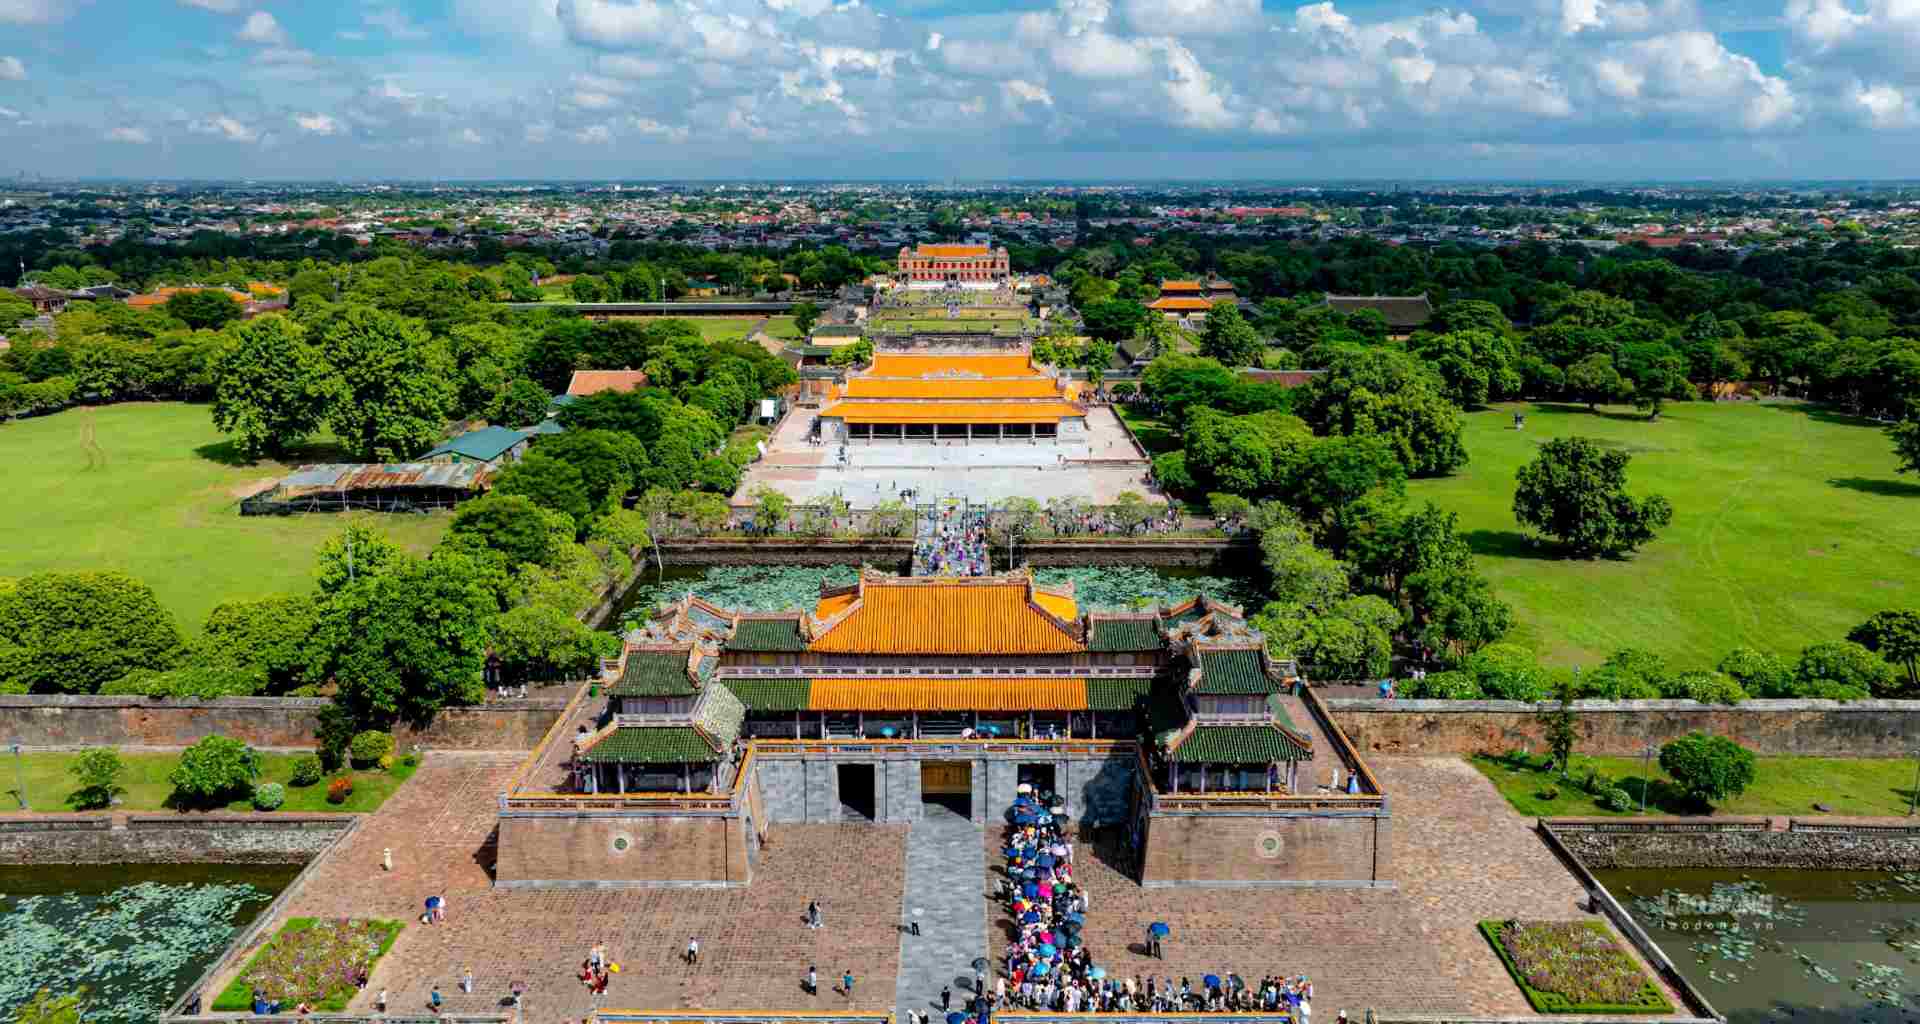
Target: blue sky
point(1563, 89)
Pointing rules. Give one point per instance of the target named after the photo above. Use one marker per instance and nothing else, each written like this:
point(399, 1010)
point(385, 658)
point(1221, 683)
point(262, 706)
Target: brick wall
point(539, 848)
point(1266, 848)
point(71, 721)
point(164, 839)
point(1742, 843)
point(1872, 728)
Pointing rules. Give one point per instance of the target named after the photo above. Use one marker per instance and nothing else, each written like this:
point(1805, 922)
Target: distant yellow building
point(932, 396)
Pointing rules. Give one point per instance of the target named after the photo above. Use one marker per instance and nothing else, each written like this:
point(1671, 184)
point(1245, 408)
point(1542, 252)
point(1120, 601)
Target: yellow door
point(941, 778)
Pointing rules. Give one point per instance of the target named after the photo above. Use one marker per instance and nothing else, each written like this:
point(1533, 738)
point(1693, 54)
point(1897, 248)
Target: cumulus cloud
point(12, 70)
point(318, 124)
point(219, 6)
point(133, 136)
point(224, 127)
point(261, 29)
point(395, 23)
point(1693, 74)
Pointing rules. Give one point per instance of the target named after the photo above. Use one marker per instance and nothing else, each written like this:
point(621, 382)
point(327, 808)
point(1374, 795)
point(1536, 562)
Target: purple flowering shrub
point(315, 961)
point(1570, 965)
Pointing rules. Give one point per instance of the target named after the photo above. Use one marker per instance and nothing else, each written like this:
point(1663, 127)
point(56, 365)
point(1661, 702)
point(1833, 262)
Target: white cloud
point(12, 70)
point(35, 12)
point(135, 136)
point(1191, 17)
point(1691, 73)
point(318, 124)
point(1886, 106)
point(594, 135)
point(219, 6)
point(261, 29)
point(10, 114)
point(611, 23)
point(1027, 92)
point(933, 41)
point(621, 65)
point(469, 137)
point(648, 126)
point(225, 127)
point(395, 23)
point(587, 100)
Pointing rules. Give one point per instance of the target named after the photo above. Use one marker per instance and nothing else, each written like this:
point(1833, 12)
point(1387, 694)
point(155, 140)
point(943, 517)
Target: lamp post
point(19, 778)
point(1646, 774)
point(1912, 802)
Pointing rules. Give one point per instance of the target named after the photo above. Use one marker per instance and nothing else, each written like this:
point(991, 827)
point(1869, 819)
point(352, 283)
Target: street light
point(1646, 774)
point(1912, 802)
point(19, 778)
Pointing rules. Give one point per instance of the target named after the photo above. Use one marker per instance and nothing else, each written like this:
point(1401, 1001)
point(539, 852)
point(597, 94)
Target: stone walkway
point(944, 851)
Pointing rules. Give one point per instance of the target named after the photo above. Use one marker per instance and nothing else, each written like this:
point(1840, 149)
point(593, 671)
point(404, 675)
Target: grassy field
point(1790, 526)
point(164, 507)
point(49, 784)
point(1781, 785)
point(723, 328)
point(1155, 436)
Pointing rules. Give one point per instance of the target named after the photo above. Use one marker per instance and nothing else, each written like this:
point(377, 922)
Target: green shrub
point(1629, 674)
point(1614, 798)
point(1708, 768)
point(369, 747)
point(193, 682)
point(313, 961)
point(1843, 664)
point(98, 771)
point(386, 763)
point(1443, 686)
point(215, 770)
point(306, 770)
point(340, 789)
point(1548, 793)
point(269, 797)
point(1757, 672)
point(1709, 688)
point(1573, 967)
point(1508, 672)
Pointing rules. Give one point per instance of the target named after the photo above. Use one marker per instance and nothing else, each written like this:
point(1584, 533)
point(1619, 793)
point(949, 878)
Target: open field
point(163, 507)
point(1781, 785)
point(49, 784)
point(1790, 526)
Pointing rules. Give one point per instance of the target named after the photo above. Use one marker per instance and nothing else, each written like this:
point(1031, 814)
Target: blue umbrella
point(1031, 890)
point(432, 902)
point(1030, 917)
point(1040, 969)
point(1211, 981)
point(1045, 860)
point(1077, 918)
point(956, 1018)
point(1097, 973)
point(886, 731)
point(1159, 929)
point(1047, 949)
point(1073, 942)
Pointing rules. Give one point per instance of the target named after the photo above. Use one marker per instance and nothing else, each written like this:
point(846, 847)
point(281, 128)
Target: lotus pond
point(788, 587)
point(1777, 945)
point(135, 935)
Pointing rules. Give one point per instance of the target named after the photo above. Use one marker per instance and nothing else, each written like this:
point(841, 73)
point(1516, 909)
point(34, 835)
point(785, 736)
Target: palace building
point(971, 266)
point(938, 396)
point(1191, 301)
point(716, 726)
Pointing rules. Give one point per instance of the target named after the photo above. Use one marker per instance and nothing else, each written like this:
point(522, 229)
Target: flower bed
point(312, 961)
point(1573, 967)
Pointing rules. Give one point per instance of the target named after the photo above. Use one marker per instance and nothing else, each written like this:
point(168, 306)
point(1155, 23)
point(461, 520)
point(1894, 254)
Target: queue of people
point(951, 540)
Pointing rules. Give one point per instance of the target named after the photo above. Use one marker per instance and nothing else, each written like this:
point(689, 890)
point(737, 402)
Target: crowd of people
point(1046, 966)
point(1103, 523)
point(951, 540)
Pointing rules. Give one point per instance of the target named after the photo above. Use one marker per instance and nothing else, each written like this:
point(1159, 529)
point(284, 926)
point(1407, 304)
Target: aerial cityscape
point(903, 512)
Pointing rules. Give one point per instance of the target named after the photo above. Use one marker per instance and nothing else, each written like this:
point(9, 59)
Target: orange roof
point(159, 296)
point(934, 615)
point(921, 364)
point(904, 693)
point(592, 382)
point(1178, 302)
point(1179, 286)
point(1025, 387)
point(952, 251)
point(952, 412)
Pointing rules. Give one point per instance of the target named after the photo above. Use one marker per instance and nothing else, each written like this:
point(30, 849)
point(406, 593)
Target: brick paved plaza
point(1459, 855)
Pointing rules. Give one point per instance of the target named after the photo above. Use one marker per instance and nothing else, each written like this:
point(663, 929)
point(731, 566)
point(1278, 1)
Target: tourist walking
point(946, 999)
point(434, 1000)
point(846, 984)
point(466, 980)
point(813, 981)
point(693, 952)
point(380, 1001)
point(813, 914)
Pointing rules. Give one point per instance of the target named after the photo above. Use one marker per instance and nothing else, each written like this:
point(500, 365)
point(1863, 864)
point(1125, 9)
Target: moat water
point(1824, 947)
point(134, 936)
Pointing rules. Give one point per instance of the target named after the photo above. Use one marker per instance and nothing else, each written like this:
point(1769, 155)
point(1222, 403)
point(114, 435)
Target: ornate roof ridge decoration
point(717, 717)
point(675, 621)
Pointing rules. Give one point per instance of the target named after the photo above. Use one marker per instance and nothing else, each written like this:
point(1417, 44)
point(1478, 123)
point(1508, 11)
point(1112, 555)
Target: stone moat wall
point(1815, 844)
point(169, 839)
point(269, 722)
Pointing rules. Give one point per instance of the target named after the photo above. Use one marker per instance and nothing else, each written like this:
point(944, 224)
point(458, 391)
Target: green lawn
point(49, 784)
point(1155, 436)
point(784, 328)
point(164, 507)
point(1790, 526)
point(724, 328)
point(1781, 785)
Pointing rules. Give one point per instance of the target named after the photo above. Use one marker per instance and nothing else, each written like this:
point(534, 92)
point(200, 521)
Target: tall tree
point(1595, 380)
point(410, 641)
point(1576, 492)
point(1387, 392)
point(203, 308)
point(396, 382)
point(1906, 439)
point(549, 483)
point(270, 387)
point(1895, 636)
point(1228, 337)
point(69, 632)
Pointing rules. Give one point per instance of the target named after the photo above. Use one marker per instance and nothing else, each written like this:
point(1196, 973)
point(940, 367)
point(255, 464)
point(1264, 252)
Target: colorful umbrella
point(1040, 969)
point(1097, 973)
point(979, 963)
point(1047, 949)
point(1030, 917)
point(1211, 981)
point(956, 1018)
point(1159, 929)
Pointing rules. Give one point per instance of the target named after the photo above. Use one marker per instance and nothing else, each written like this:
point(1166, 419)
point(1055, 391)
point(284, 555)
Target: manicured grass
point(1790, 527)
point(164, 507)
point(1155, 436)
point(784, 328)
point(1781, 785)
point(724, 328)
point(291, 954)
point(49, 784)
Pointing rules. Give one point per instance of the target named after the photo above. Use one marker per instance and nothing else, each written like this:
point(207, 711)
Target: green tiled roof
point(651, 744)
point(767, 635)
point(720, 714)
point(1124, 635)
point(1117, 694)
point(1233, 672)
point(1240, 744)
point(654, 675)
point(772, 694)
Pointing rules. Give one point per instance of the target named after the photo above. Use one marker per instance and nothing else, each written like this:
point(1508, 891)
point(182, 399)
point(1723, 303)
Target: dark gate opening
point(857, 792)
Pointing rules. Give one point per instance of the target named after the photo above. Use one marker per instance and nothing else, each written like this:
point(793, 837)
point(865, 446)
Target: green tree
point(511, 524)
point(1759, 673)
point(45, 1008)
point(213, 771)
point(1300, 572)
point(549, 483)
point(610, 462)
point(1847, 665)
point(522, 401)
point(1595, 380)
point(1014, 519)
point(1905, 436)
point(69, 632)
point(540, 642)
point(1895, 636)
point(409, 641)
point(396, 384)
point(889, 518)
point(1561, 724)
point(805, 315)
point(269, 634)
point(98, 770)
point(357, 550)
point(1656, 372)
point(770, 508)
point(1508, 672)
point(1387, 392)
point(1575, 492)
point(1113, 319)
point(1476, 366)
point(203, 308)
point(860, 353)
point(270, 387)
point(1708, 768)
point(1228, 337)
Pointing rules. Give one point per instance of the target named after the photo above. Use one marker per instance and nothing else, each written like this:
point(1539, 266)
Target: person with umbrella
point(1156, 932)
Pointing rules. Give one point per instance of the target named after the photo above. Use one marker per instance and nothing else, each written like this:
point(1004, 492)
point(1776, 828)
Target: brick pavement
point(1459, 856)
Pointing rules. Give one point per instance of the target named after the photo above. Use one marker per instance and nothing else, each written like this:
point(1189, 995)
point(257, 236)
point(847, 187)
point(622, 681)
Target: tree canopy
point(1576, 492)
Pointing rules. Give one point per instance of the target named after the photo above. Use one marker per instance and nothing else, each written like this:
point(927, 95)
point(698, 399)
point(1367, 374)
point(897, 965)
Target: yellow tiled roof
point(924, 615)
point(904, 364)
point(1179, 286)
point(1029, 387)
point(1179, 302)
point(952, 251)
point(905, 693)
point(952, 412)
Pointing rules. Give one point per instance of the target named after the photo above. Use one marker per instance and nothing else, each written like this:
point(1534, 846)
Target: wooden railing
point(767, 747)
point(540, 748)
point(956, 672)
point(661, 801)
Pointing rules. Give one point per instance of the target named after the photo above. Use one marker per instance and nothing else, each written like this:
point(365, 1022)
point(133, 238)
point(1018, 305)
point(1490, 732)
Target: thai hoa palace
point(972, 266)
point(1171, 730)
point(953, 396)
